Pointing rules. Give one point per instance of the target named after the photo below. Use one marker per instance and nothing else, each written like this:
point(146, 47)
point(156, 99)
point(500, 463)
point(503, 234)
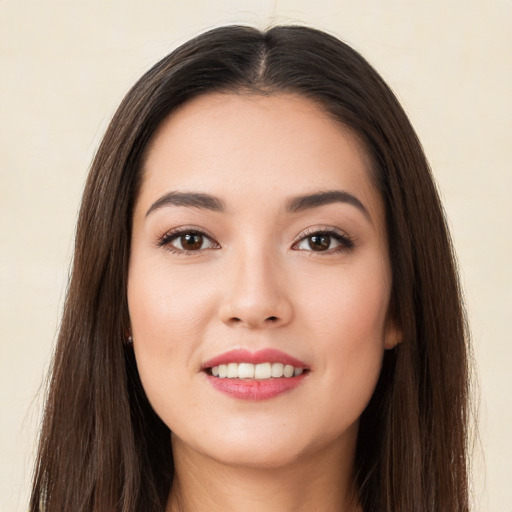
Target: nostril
point(253, 322)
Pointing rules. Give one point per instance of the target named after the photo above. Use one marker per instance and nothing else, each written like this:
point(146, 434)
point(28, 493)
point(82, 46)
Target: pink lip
point(268, 355)
point(253, 389)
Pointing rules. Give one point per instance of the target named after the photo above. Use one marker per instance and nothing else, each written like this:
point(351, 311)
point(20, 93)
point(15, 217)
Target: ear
point(128, 336)
point(393, 334)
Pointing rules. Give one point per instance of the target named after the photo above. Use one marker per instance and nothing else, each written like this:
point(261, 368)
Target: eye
point(187, 241)
point(327, 241)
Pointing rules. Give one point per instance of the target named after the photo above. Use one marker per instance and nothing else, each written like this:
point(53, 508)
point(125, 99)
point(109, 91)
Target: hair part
point(102, 446)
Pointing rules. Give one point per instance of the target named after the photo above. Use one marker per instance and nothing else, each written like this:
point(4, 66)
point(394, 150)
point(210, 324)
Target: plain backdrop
point(64, 67)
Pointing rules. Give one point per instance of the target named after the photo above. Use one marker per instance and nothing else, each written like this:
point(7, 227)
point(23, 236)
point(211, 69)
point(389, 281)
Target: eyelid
point(170, 235)
point(346, 241)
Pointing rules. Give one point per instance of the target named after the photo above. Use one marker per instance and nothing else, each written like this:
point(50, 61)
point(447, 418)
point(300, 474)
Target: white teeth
point(232, 371)
point(223, 371)
point(263, 371)
point(260, 371)
point(277, 369)
point(288, 370)
point(245, 371)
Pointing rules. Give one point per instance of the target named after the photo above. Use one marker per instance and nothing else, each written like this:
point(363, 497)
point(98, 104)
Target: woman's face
point(258, 251)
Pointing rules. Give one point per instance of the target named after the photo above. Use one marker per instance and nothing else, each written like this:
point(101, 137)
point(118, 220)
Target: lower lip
point(255, 389)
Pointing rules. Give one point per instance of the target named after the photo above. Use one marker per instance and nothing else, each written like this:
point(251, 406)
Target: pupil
point(319, 242)
point(192, 241)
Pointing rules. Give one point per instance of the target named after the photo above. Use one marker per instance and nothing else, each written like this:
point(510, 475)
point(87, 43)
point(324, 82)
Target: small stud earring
point(129, 341)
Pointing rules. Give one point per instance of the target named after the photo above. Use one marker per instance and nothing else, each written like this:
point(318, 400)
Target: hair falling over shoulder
point(103, 448)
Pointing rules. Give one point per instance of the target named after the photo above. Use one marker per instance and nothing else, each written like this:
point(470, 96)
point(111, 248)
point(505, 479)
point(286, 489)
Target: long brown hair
point(103, 448)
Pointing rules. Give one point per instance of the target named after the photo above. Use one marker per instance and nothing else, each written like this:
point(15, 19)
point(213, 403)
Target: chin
point(269, 447)
point(257, 457)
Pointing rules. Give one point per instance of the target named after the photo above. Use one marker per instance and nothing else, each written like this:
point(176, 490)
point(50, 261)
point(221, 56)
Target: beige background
point(64, 67)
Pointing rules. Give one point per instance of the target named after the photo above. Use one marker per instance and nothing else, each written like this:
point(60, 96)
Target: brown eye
point(187, 241)
point(328, 242)
point(319, 242)
point(191, 241)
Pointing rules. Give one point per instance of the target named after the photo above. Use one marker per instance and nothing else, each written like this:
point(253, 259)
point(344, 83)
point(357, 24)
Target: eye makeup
point(326, 240)
point(190, 240)
point(187, 240)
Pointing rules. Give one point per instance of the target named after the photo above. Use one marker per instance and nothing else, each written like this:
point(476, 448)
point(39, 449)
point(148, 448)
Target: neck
point(322, 482)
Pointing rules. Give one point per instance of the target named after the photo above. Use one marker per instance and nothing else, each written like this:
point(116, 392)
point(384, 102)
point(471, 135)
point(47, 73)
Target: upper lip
point(268, 355)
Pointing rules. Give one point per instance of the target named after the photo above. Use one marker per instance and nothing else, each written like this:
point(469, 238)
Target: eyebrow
point(188, 199)
point(294, 205)
point(305, 202)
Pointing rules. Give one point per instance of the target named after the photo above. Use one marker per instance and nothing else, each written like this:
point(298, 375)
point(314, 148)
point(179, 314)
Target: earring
point(129, 340)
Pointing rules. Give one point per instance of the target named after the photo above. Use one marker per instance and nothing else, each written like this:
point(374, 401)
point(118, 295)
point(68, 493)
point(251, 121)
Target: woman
point(264, 312)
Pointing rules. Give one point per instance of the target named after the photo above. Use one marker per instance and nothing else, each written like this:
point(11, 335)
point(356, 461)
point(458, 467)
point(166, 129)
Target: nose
point(256, 296)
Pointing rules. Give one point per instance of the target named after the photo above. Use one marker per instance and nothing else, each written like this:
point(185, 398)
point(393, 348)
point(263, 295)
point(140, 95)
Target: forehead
point(245, 147)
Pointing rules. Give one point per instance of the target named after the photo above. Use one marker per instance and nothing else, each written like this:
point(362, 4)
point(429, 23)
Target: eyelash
point(170, 236)
point(346, 243)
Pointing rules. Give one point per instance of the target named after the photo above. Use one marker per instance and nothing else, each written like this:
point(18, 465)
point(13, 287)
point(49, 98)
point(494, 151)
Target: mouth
point(255, 376)
point(261, 371)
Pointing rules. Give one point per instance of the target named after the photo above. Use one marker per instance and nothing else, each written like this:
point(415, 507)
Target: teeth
point(260, 371)
point(263, 371)
point(245, 371)
point(277, 369)
point(223, 371)
point(288, 370)
point(232, 371)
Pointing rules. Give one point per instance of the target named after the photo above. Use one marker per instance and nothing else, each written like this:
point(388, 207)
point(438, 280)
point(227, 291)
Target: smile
point(260, 371)
point(255, 376)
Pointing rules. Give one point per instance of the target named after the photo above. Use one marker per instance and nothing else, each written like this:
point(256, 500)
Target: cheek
point(348, 319)
point(349, 304)
point(168, 316)
point(166, 308)
point(166, 326)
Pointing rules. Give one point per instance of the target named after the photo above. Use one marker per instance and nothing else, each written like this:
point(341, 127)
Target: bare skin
point(311, 486)
point(258, 227)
